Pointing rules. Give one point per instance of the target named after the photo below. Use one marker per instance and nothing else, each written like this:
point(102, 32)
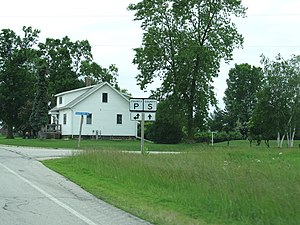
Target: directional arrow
point(150, 116)
point(136, 117)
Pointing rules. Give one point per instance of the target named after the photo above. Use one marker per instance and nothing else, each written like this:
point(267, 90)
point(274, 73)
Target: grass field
point(235, 185)
point(124, 145)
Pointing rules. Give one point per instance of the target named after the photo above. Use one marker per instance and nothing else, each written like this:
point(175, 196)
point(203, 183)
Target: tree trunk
point(10, 132)
point(288, 138)
point(41, 133)
point(281, 142)
point(190, 120)
point(190, 125)
point(292, 137)
point(267, 143)
point(278, 139)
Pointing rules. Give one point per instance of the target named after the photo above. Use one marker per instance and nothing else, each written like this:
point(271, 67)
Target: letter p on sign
point(136, 105)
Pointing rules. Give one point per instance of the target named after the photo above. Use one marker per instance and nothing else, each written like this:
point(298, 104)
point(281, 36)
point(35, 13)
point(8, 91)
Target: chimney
point(88, 81)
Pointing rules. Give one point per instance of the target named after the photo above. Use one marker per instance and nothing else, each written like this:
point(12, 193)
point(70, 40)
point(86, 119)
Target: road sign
point(142, 109)
point(82, 113)
point(136, 104)
point(80, 125)
point(137, 116)
point(142, 105)
point(150, 105)
point(150, 116)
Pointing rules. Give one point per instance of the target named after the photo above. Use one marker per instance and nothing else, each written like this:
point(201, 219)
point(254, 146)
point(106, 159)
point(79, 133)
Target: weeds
point(212, 186)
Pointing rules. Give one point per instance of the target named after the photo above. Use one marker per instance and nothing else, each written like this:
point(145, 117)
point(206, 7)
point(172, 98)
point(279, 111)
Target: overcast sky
point(271, 27)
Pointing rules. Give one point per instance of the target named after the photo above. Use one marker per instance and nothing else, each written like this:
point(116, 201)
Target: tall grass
point(211, 186)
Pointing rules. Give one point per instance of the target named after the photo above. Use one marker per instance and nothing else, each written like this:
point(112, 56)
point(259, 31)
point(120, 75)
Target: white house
point(108, 112)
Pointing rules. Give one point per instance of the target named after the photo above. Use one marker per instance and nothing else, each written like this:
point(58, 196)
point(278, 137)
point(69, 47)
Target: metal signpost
point(142, 109)
point(80, 127)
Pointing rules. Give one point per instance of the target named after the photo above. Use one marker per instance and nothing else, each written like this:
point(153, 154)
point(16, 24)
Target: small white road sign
point(142, 105)
point(150, 105)
point(136, 104)
point(150, 116)
point(137, 116)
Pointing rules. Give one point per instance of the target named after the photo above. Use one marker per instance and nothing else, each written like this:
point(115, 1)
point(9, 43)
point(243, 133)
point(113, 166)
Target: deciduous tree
point(243, 84)
point(183, 44)
point(17, 78)
point(277, 111)
point(99, 74)
point(64, 59)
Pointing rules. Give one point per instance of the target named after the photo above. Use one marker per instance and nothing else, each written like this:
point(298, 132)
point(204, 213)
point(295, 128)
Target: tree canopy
point(23, 78)
point(243, 83)
point(64, 58)
point(183, 44)
point(17, 56)
point(277, 111)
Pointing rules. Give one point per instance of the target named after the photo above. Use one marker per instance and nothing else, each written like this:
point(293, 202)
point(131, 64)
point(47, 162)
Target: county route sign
point(142, 109)
point(142, 105)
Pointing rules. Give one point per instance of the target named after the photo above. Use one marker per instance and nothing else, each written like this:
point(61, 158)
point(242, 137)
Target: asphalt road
point(31, 194)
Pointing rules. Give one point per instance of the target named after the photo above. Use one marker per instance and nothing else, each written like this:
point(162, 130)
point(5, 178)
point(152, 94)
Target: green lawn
point(130, 145)
point(124, 145)
point(234, 185)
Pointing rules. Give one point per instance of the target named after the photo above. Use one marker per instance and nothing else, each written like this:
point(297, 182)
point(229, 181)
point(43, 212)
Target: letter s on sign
point(150, 106)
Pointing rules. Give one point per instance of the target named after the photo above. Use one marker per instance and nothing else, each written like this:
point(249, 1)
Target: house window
point(60, 100)
point(65, 119)
point(89, 119)
point(119, 118)
point(104, 97)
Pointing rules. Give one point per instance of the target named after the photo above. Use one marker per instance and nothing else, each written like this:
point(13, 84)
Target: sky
point(271, 27)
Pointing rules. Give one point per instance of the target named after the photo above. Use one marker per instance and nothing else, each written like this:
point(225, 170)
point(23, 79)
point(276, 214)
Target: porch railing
point(53, 128)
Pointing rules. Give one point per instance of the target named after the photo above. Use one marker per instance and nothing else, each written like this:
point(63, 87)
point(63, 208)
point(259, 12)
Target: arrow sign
point(150, 116)
point(136, 116)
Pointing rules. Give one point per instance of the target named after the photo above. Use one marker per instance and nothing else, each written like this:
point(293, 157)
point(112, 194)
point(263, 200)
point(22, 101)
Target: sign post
point(81, 114)
point(142, 109)
point(80, 130)
point(143, 133)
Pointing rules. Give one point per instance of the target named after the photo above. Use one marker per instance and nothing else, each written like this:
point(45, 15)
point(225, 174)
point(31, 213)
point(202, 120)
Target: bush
point(205, 137)
point(164, 133)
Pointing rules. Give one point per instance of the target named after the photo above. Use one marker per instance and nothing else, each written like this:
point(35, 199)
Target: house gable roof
point(74, 90)
point(90, 90)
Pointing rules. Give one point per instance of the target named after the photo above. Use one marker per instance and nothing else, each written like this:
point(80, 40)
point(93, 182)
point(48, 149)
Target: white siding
point(104, 115)
point(69, 96)
point(66, 128)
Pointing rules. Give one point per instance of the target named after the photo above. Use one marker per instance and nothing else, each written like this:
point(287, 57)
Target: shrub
point(205, 137)
point(164, 133)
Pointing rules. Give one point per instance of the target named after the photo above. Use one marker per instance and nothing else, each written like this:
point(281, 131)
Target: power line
point(273, 15)
point(246, 46)
point(272, 46)
point(116, 15)
point(63, 16)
